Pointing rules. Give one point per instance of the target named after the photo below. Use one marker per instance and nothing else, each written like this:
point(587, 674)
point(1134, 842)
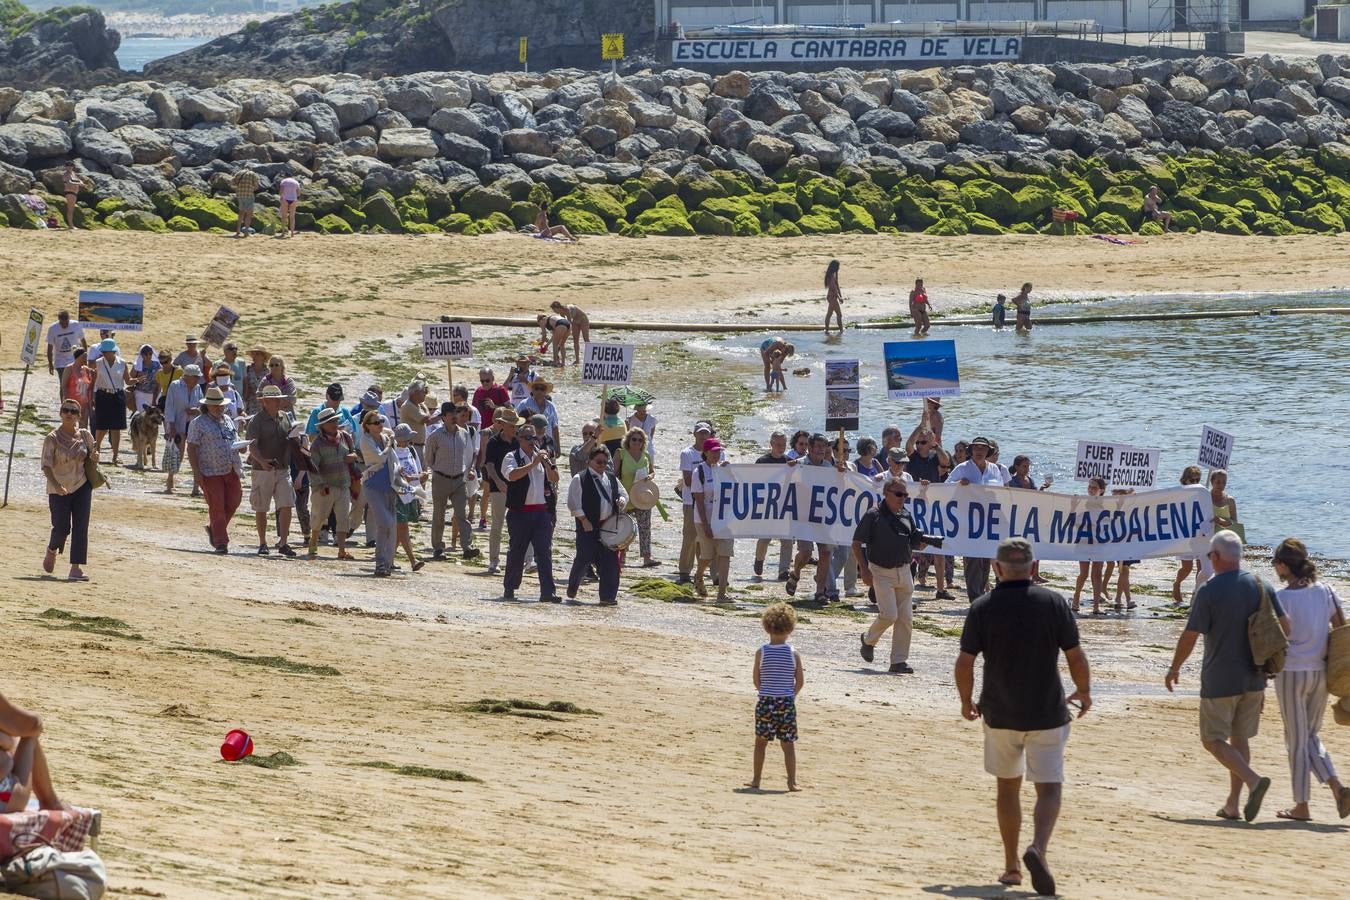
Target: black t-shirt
point(890, 538)
point(923, 468)
point(1021, 629)
point(770, 458)
point(497, 448)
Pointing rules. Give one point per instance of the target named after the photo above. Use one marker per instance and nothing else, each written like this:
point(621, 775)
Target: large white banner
point(819, 503)
point(847, 49)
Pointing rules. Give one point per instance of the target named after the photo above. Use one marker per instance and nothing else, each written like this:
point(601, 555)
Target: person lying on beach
point(544, 230)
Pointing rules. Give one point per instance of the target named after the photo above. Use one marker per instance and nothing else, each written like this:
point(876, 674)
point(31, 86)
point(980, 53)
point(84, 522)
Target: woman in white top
point(642, 418)
point(1301, 687)
point(110, 397)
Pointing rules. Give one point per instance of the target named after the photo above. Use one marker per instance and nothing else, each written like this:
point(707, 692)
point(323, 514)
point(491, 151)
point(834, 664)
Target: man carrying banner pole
point(891, 539)
point(976, 470)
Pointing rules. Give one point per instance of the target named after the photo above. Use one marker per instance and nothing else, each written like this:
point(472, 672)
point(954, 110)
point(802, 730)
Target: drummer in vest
point(528, 522)
point(595, 498)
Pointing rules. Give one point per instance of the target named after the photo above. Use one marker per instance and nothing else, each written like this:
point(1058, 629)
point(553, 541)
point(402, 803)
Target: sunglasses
point(526, 437)
point(70, 412)
point(274, 365)
point(921, 443)
point(897, 493)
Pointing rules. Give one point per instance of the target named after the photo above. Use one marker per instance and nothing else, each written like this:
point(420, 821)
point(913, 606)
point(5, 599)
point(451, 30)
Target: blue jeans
point(590, 550)
point(380, 525)
point(529, 528)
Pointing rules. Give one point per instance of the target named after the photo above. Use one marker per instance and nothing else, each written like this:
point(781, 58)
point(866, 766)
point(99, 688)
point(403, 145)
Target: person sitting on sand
point(767, 347)
point(834, 297)
point(1153, 210)
point(580, 322)
point(544, 230)
point(24, 772)
point(554, 329)
point(778, 676)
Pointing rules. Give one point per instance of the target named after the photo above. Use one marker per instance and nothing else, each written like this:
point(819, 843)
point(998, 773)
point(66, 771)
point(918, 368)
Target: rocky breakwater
point(1253, 146)
point(68, 46)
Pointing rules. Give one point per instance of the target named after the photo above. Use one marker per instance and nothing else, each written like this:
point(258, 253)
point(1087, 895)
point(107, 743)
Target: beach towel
point(65, 830)
point(1119, 241)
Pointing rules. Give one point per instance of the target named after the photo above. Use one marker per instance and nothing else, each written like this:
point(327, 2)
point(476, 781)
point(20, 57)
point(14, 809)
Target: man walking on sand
point(891, 539)
point(245, 184)
point(1021, 628)
point(270, 454)
point(1232, 689)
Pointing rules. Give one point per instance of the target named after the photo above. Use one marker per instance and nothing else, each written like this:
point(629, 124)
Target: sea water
point(1279, 384)
point(133, 53)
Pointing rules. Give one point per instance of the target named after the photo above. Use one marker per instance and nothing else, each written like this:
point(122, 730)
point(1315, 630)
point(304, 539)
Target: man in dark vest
point(594, 498)
point(528, 472)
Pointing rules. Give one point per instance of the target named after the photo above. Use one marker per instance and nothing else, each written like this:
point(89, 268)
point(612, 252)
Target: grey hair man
point(777, 455)
point(890, 538)
point(1232, 689)
point(1021, 628)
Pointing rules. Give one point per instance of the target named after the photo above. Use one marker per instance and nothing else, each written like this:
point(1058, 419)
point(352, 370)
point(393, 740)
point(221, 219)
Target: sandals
point(791, 586)
point(49, 562)
point(1343, 802)
point(1286, 814)
point(1010, 878)
point(1254, 798)
point(1223, 814)
point(343, 554)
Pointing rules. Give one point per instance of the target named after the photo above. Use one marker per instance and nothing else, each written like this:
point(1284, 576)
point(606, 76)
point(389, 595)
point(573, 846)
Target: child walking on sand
point(778, 678)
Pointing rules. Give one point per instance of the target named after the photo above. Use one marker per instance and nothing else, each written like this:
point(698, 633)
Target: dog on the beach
point(145, 426)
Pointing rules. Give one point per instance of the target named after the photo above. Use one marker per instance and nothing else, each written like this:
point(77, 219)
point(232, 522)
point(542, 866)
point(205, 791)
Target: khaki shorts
point(337, 502)
point(710, 547)
point(1238, 716)
point(271, 486)
point(1039, 755)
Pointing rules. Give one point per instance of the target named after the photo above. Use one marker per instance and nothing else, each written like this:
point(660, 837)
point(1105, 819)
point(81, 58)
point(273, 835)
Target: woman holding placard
point(1189, 475)
point(1225, 507)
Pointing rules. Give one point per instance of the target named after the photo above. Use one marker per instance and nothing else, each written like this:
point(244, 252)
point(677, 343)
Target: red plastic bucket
point(237, 745)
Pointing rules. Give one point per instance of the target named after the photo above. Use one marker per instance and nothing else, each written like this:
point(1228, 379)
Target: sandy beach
point(405, 785)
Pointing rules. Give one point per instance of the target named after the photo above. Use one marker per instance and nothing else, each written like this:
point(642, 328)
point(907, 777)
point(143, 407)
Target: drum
point(618, 531)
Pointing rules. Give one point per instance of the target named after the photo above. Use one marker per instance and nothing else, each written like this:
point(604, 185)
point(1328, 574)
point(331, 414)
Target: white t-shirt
point(109, 376)
point(689, 458)
point(991, 475)
point(63, 341)
point(701, 483)
point(1309, 610)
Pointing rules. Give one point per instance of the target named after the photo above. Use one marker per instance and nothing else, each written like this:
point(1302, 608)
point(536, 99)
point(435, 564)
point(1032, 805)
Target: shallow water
point(1277, 383)
point(134, 52)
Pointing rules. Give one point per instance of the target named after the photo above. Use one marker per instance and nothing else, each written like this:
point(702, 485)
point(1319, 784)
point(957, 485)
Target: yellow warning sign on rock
point(524, 49)
point(611, 46)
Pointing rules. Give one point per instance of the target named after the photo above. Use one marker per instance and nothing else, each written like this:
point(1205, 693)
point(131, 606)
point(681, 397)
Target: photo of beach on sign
point(112, 310)
point(921, 369)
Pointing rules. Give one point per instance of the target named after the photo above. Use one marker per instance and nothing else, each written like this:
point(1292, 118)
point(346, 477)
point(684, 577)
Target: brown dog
point(145, 426)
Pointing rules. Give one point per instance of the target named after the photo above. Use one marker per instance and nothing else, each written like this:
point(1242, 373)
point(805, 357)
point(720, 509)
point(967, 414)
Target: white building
point(1111, 15)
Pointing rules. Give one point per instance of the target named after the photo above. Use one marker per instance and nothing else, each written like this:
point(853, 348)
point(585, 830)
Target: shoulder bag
point(92, 474)
point(1268, 641)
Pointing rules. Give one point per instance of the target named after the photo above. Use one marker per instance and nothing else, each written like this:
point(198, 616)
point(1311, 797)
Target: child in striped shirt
point(778, 678)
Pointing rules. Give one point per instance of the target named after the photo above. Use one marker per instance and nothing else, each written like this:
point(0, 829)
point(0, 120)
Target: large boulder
point(166, 109)
point(101, 146)
point(516, 108)
point(770, 152)
point(733, 84)
point(323, 119)
point(1216, 72)
point(526, 140)
point(268, 104)
point(888, 122)
point(14, 180)
point(1188, 89)
point(651, 115)
point(826, 153)
point(769, 102)
point(1337, 89)
point(209, 106)
point(407, 143)
point(352, 105)
point(113, 114)
point(38, 141)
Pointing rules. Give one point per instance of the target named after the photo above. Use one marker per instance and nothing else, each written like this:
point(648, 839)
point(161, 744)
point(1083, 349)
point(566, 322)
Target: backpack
point(1269, 643)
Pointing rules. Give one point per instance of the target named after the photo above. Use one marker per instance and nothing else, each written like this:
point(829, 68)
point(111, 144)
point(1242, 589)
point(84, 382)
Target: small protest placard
point(842, 398)
point(607, 364)
point(112, 310)
point(1095, 459)
point(32, 336)
point(447, 340)
point(1121, 465)
point(1216, 448)
point(222, 323)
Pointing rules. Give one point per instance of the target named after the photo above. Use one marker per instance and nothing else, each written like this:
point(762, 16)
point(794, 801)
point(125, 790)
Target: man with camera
point(527, 471)
point(891, 539)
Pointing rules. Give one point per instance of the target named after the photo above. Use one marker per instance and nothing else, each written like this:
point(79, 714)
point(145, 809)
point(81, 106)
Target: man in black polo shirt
point(1021, 629)
point(891, 538)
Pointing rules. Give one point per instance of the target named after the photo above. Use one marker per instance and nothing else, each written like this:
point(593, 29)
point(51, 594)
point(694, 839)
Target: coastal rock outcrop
point(1257, 145)
point(69, 46)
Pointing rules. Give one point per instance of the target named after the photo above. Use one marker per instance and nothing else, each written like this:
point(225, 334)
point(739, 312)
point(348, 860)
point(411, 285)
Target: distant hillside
point(68, 45)
point(383, 37)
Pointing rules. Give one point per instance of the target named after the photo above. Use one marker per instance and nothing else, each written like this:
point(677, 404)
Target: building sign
point(847, 49)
